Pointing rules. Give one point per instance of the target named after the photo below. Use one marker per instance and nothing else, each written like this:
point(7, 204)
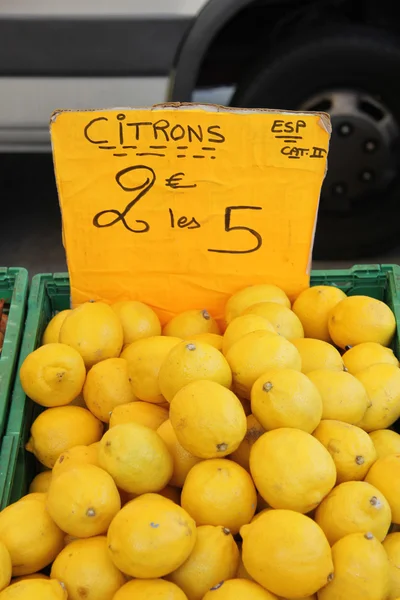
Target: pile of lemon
point(252, 460)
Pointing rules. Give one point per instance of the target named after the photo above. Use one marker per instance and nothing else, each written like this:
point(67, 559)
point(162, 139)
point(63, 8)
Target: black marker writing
point(174, 181)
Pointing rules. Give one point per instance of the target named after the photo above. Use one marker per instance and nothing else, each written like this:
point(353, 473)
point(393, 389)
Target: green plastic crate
point(14, 290)
point(51, 293)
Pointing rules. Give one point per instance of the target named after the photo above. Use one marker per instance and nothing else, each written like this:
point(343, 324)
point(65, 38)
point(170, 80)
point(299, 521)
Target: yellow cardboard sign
point(182, 205)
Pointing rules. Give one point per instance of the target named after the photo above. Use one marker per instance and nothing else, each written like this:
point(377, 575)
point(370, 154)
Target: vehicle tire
point(352, 75)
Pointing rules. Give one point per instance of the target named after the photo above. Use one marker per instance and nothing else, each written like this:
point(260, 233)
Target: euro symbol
point(174, 181)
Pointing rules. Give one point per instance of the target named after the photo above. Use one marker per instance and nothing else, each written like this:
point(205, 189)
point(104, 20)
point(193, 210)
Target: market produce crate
point(51, 293)
point(14, 291)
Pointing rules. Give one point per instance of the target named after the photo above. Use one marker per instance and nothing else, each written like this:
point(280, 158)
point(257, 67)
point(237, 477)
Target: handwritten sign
point(182, 205)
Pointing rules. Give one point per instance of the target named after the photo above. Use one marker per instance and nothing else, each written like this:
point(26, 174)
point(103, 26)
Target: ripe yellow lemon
point(5, 566)
point(183, 460)
point(344, 398)
point(149, 589)
point(208, 419)
point(142, 413)
point(385, 476)
point(219, 492)
point(313, 306)
point(254, 294)
point(77, 455)
point(385, 441)
point(361, 570)
point(243, 325)
point(298, 473)
point(94, 330)
point(138, 320)
point(87, 571)
point(382, 384)
point(189, 362)
point(214, 339)
point(58, 429)
point(52, 331)
point(242, 455)
point(145, 358)
point(353, 507)
point(316, 354)
point(351, 448)
point(286, 398)
point(107, 385)
point(238, 589)
point(214, 558)
point(40, 483)
point(359, 319)
point(35, 589)
point(287, 553)
point(189, 323)
point(53, 375)
point(366, 354)
point(391, 545)
point(136, 458)
point(283, 320)
point(31, 537)
point(83, 500)
point(256, 352)
point(151, 537)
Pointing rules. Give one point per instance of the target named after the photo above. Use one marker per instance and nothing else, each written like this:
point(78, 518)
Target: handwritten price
point(111, 217)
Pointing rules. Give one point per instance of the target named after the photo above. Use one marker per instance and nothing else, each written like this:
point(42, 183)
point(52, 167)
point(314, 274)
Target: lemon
point(391, 545)
point(5, 566)
point(351, 448)
point(385, 476)
point(344, 398)
point(214, 558)
point(283, 320)
point(286, 398)
point(40, 483)
point(243, 325)
point(354, 507)
point(138, 320)
point(145, 358)
point(52, 331)
point(189, 362)
point(35, 589)
point(94, 330)
point(366, 354)
point(87, 571)
point(254, 294)
point(298, 473)
point(151, 537)
point(238, 589)
point(149, 589)
point(183, 460)
point(256, 352)
point(219, 492)
point(142, 413)
point(313, 306)
point(382, 384)
point(242, 455)
point(53, 375)
point(287, 553)
point(190, 323)
point(31, 537)
point(208, 419)
point(214, 339)
point(359, 319)
point(83, 500)
point(361, 570)
point(136, 458)
point(77, 455)
point(58, 429)
point(107, 385)
point(316, 354)
point(385, 442)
